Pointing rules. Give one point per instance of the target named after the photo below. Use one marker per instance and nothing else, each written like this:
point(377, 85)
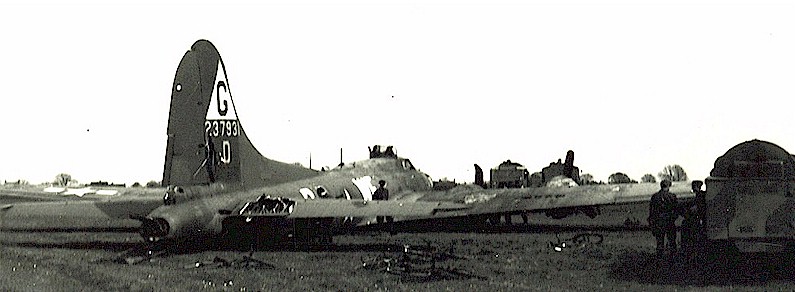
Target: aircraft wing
point(77, 215)
point(10, 195)
point(119, 214)
point(497, 201)
point(346, 208)
point(32, 194)
point(356, 208)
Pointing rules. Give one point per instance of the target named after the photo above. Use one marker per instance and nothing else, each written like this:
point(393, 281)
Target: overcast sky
point(630, 86)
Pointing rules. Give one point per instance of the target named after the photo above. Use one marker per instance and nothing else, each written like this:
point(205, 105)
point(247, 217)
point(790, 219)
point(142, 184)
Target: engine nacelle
point(185, 221)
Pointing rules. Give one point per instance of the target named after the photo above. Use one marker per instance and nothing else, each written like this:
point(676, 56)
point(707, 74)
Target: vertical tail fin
point(206, 143)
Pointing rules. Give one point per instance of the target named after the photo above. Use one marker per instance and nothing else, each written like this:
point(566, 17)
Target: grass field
point(501, 258)
point(503, 261)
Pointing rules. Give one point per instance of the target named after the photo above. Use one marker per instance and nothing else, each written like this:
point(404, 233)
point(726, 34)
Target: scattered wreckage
point(419, 263)
point(579, 240)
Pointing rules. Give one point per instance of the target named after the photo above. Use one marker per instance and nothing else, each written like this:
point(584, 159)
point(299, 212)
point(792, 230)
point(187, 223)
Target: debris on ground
point(247, 261)
point(419, 263)
point(580, 240)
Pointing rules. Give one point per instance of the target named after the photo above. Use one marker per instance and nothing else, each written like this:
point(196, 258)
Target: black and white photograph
point(397, 145)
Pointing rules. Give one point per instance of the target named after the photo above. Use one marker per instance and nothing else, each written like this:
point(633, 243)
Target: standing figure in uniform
point(382, 194)
point(693, 231)
point(663, 211)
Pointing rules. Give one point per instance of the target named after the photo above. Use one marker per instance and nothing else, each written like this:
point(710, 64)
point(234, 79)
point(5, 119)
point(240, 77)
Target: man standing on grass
point(663, 211)
point(382, 194)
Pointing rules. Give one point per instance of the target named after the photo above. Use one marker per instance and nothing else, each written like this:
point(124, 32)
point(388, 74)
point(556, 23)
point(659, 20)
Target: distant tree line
point(672, 172)
point(648, 178)
point(620, 178)
point(63, 179)
point(150, 184)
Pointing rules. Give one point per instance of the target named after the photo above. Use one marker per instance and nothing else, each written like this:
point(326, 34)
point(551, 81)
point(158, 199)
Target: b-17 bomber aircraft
point(220, 186)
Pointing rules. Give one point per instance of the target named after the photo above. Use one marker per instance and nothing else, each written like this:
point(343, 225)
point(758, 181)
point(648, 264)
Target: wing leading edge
point(120, 215)
point(345, 208)
point(84, 216)
point(500, 201)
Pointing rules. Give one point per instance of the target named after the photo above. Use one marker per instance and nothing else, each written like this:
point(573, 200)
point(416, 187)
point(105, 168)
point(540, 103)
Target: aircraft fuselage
point(201, 210)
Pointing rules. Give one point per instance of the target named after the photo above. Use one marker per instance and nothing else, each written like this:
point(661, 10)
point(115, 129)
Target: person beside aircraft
point(232, 183)
point(663, 211)
point(382, 194)
point(693, 224)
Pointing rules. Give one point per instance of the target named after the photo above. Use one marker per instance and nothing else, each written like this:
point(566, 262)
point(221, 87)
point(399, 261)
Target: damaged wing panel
point(267, 206)
point(360, 208)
